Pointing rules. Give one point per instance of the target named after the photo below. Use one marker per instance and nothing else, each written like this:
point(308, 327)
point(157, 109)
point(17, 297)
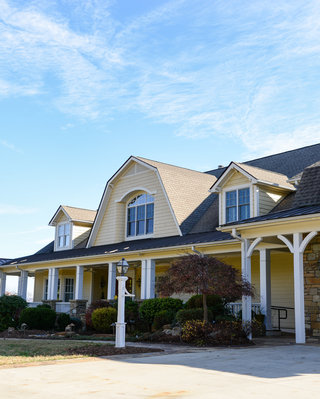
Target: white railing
point(236, 307)
point(63, 307)
point(34, 304)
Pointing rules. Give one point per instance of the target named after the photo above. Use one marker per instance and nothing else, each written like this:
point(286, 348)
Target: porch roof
point(123, 247)
point(287, 213)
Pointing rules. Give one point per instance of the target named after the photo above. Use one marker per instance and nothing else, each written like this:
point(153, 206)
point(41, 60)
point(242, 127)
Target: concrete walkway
point(257, 372)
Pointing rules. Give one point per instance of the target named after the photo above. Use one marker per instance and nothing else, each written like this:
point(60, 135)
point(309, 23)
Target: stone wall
point(312, 287)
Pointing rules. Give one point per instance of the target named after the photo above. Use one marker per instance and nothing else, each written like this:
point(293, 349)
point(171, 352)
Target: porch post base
point(120, 335)
point(51, 303)
point(78, 307)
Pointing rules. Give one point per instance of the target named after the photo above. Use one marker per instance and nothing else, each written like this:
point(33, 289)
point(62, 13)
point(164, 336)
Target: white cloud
point(6, 209)
point(244, 70)
point(10, 146)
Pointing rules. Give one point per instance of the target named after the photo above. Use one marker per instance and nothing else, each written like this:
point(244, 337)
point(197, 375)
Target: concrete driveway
point(278, 372)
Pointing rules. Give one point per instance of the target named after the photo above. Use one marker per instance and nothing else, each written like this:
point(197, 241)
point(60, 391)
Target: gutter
point(186, 247)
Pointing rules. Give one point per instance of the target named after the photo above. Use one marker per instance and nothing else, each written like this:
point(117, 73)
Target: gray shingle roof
point(123, 247)
point(289, 163)
point(308, 192)
point(305, 210)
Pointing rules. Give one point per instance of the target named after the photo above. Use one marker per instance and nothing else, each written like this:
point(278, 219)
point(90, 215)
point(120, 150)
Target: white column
point(3, 278)
point(150, 278)
point(246, 274)
point(112, 271)
point(298, 289)
point(79, 282)
point(49, 284)
point(265, 286)
point(54, 283)
point(23, 284)
point(143, 279)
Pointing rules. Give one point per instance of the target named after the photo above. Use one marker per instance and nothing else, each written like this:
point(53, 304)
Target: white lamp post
point(122, 267)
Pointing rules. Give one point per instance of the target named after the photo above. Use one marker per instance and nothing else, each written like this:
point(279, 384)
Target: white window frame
point(69, 246)
point(63, 293)
point(223, 211)
point(140, 236)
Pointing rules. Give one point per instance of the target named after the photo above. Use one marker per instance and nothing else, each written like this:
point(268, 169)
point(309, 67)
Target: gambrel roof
point(186, 190)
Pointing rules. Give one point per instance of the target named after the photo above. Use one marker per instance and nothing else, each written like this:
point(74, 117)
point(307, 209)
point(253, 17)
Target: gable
point(131, 181)
point(236, 179)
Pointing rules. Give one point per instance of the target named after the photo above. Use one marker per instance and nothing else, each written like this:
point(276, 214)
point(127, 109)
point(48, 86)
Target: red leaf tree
point(204, 275)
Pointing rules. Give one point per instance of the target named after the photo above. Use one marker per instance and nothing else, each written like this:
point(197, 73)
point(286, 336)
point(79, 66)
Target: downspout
point(197, 252)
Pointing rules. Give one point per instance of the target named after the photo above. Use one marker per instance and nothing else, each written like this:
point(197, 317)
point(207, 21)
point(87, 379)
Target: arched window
point(140, 215)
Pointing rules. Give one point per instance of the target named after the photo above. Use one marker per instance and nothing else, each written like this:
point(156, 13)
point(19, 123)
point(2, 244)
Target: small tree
point(206, 276)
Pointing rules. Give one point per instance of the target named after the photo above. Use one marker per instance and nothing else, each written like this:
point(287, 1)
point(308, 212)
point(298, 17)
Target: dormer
point(72, 226)
point(246, 191)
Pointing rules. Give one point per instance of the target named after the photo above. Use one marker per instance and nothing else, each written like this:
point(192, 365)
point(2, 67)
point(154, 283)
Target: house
point(261, 216)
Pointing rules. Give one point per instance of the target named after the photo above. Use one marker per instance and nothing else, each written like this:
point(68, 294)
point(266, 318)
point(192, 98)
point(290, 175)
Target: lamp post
point(122, 267)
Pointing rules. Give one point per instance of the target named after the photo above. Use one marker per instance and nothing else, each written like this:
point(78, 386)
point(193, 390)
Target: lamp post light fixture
point(122, 268)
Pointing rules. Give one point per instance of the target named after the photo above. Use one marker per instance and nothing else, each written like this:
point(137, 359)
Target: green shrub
point(196, 332)
point(163, 317)
point(185, 315)
point(131, 311)
point(63, 319)
point(103, 318)
point(44, 306)
point(77, 323)
point(101, 303)
point(150, 307)
point(38, 318)
point(196, 301)
point(214, 303)
point(230, 333)
point(10, 309)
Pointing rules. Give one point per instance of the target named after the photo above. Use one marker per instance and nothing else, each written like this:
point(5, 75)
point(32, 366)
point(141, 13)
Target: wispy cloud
point(10, 146)
point(6, 209)
point(245, 70)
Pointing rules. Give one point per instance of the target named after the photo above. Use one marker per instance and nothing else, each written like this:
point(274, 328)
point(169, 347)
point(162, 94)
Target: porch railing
point(236, 307)
point(63, 307)
point(34, 304)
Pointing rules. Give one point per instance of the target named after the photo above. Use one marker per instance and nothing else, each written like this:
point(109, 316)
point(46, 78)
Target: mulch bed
point(23, 334)
point(108, 350)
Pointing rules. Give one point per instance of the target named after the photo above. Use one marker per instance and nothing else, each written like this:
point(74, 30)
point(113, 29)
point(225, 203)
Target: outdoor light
point(122, 267)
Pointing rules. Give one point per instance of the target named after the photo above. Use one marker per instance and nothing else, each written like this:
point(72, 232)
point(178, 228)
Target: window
point(237, 205)
point(63, 235)
point(68, 289)
point(140, 215)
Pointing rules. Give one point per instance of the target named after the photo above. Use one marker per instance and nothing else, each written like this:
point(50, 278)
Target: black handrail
point(281, 309)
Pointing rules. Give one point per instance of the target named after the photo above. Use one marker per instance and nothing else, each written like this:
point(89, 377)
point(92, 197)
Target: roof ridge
point(268, 156)
point(76, 207)
point(258, 167)
point(169, 164)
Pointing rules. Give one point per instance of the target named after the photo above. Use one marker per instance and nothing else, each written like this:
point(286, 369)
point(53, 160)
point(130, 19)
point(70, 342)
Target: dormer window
point(140, 215)
point(237, 205)
point(64, 235)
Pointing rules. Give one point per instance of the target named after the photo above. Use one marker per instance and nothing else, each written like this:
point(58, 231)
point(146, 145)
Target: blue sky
point(85, 84)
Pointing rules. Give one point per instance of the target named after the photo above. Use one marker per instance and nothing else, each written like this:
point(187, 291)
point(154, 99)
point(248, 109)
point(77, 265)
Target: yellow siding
point(267, 200)
point(113, 226)
point(237, 179)
point(39, 280)
point(79, 233)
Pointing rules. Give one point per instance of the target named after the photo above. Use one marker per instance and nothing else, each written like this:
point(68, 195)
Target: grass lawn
point(21, 351)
